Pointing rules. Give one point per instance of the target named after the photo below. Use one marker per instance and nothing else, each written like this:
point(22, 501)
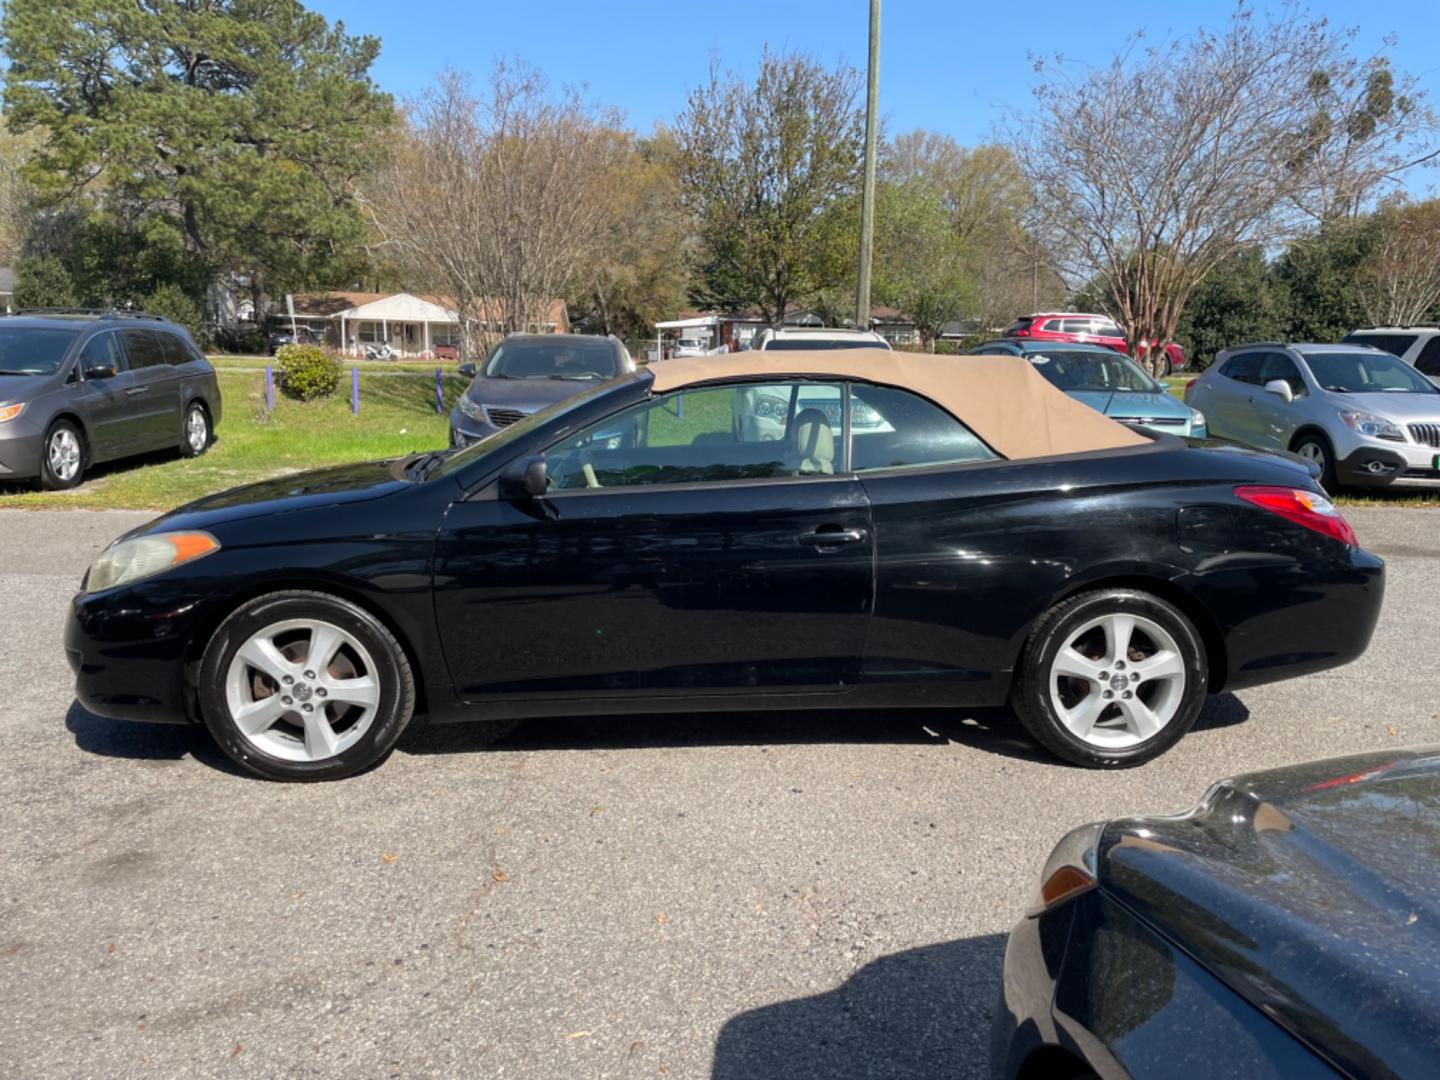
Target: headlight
point(1197, 423)
point(472, 409)
point(9, 412)
point(1372, 426)
point(145, 556)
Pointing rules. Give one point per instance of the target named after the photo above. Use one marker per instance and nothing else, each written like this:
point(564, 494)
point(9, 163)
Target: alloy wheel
point(302, 690)
point(197, 430)
point(1117, 681)
point(63, 454)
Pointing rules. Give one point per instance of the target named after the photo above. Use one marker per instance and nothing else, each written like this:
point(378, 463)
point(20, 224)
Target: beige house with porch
point(412, 325)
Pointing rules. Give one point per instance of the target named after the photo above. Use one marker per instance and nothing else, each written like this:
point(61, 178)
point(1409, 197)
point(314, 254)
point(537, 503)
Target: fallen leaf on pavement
point(501, 875)
point(577, 1034)
point(388, 858)
point(1390, 730)
point(662, 919)
point(237, 1051)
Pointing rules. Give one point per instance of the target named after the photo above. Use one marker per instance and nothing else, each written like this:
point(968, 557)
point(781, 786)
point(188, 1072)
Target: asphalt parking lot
point(819, 895)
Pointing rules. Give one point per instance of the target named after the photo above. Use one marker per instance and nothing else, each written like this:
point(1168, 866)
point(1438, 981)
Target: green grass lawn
point(397, 415)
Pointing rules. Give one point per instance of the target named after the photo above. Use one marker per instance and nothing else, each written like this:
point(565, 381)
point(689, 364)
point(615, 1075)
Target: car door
point(1275, 418)
point(1225, 398)
point(106, 406)
point(697, 543)
point(155, 393)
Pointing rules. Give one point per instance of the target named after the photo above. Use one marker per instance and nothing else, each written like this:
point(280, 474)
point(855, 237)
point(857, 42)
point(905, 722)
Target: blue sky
point(945, 65)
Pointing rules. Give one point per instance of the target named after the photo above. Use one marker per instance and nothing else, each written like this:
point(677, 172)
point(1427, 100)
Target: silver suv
point(1418, 346)
point(1364, 416)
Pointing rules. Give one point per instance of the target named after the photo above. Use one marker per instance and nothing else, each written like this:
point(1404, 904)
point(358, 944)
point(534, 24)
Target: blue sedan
point(1106, 381)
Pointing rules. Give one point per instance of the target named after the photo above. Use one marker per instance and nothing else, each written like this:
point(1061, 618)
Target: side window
point(1109, 329)
point(177, 350)
point(1055, 326)
point(1243, 368)
point(143, 349)
point(1280, 366)
point(1428, 362)
point(750, 431)
point(890, 429)
point(102, 350)
point(1077, 326)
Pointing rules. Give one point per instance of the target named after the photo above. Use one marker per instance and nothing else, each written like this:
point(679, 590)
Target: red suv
point(1089, 329)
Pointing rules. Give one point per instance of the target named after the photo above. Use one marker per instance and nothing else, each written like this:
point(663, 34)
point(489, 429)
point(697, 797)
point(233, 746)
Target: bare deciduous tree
point(763, 167)
point(496, 200)
point(1400, 286)
point(1154, 168)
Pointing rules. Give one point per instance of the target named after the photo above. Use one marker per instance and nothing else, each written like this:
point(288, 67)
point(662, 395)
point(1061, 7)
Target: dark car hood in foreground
point(298, 491)
point(1314, 892)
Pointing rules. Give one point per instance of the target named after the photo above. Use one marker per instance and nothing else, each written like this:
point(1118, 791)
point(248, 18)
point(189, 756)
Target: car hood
point(23, 387)
point(298, 491)
point(1404, 407)
point(1312, 891)
point(527, 395)
point(1131, 405)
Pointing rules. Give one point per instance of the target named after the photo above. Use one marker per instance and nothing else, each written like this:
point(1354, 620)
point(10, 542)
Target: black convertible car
point(1287, 927)
point(755, 531)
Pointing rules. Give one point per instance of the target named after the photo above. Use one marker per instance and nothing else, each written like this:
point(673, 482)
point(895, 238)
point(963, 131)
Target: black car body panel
point(704, 595)
point(1306, 897)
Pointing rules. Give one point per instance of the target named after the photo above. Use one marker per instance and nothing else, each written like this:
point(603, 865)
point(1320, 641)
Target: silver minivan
point(1363, 416)
point(77, 389)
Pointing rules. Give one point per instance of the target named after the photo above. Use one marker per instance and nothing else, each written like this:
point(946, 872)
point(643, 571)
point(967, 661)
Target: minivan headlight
point(1372, 426)
point(472, 409)
point(9, 412)
point(144, 556)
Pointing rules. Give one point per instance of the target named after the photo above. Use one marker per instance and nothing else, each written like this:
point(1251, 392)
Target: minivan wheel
point(1315, 447)
point(196, 434)
point(300, 685)
point(62, 458)
point(1111, 678)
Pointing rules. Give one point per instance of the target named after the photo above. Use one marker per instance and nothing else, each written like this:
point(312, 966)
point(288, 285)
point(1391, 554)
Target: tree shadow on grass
point(923, 1012)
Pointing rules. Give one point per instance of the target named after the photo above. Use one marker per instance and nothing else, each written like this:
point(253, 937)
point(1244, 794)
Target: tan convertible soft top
point(1003, 399)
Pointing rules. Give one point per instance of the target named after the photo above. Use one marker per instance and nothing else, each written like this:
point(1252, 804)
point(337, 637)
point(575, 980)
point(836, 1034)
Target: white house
point(412, 325)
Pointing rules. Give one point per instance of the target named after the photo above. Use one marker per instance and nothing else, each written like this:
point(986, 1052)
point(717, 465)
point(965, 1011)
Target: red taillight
point(1024, 331)
point(1302, 507)
point(1189, 383)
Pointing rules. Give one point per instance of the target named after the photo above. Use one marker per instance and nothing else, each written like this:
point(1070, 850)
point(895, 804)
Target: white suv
point(817, 337)
point(1418, 346)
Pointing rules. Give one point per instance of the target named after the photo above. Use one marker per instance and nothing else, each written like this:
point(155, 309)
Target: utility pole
point(867, 197)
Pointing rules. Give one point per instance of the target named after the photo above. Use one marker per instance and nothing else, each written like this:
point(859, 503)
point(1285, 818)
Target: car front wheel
point(1316, 448)
point(62, 462)
point(305, 686)
point(1111, 678)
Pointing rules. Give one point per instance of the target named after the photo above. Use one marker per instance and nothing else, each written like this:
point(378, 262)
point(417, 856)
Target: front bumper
point(21, 450)
point(129, 654)
point(1398, 465)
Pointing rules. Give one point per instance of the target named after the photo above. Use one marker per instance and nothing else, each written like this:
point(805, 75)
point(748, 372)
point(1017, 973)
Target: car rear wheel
point(196, 435)
point(62, 461)
point(1111, 678)
point(1316, 448)
point(305, 686)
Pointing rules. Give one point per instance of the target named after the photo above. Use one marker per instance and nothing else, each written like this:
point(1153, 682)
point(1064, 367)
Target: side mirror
point(1281, 389)
point(468, 370)
point(100, 371)
point(525, 479)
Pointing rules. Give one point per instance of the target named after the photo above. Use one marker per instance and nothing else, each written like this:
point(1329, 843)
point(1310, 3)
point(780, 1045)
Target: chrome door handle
point(833, 536)
point(131, 391)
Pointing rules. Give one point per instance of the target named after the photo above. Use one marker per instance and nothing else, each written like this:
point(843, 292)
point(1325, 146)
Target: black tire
point(1324, 453)
point(394, 709)
point(1030, 695)
point(50, 478)
point(188, 448)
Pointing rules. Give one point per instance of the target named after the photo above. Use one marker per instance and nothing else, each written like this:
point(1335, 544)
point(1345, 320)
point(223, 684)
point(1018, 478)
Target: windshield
point(566, 357)
point(33, 350)
point(822, 343)
point(1367, 373)
point(1104, 370)
point(507, 435)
